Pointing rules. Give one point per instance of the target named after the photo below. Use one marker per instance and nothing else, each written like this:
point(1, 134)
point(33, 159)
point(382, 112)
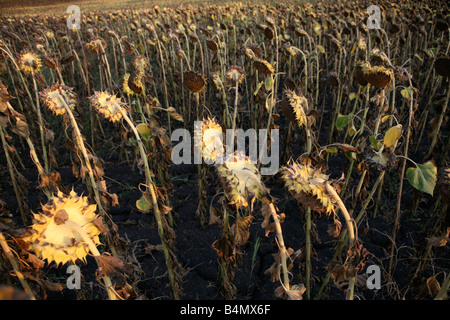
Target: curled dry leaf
point(294, 293)
point(109, 265)
point(334, 229)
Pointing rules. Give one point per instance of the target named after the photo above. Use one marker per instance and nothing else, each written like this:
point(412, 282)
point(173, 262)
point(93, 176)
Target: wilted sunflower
point(136, 81)
point(378, 76)
point(194, 81)
point(241, 180)
point(107, 105)
point(29, 62)
point(206, 140)
point(263, 66)
point(268, 32)
point(212, 44)
point(126, 89)
point(295, 107)
point(52, 98)
point(97, 45)
point(256, 48)
point(193, 37)
point(235, 75)
point(307, 185)
point(442, 66)
point(361, 44)
point(140, 62)
point(66, 230)
point(359, 74)
point(249, 52)
point(50, 60)
point(292, 50)
point(378, 57)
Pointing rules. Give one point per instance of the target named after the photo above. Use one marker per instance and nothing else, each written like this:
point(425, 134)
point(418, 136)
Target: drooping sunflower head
point(307, 185)
point(29, 62)
point(263, 66)
point(194, 81)
point(241, 180)
point(378, 76)
point(136, 81)
point(97, 45)
point(140, 62)
point(212, 44)
point(378, 57)
point(126, 89)
point(361, 44)
point(107, 105)
point(65, 229)
point(209, 139)
point(295, 106)
point(442, 66)
point(235, 75)
point(359, 74)
point(56, 96)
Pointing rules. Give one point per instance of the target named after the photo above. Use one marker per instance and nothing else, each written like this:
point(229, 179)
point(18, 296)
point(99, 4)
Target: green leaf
point(352, 130)
point(406, 93)
point(144, 131)
point(268, 83)
point(143, 204)
point(423, 177)
point(350, 155)
point(375, 142)
point(342, 121)
point(331, 150)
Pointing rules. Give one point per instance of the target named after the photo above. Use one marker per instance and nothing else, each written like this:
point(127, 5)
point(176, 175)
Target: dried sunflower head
point(307, 185)
point(66, 228)
point(212, 44)
point(256, 48)
point(193, 37)
point(126, 89)
point(140, 62)
point(442, 66)
point(333, 79)
point(29, 62)
point(50, 60)
point(263, 66)
point(206, 140)
point(361, 44)
point(359, 74)
point(97, 45)
point(136, 81)
point(194, 81)
point(235, 75)
point(50, 34)
point(268, 32)
point(241, 180)
point(52, 98)
point(378, 57)
point(107, 105)
point(378, 76)
point(295, 107)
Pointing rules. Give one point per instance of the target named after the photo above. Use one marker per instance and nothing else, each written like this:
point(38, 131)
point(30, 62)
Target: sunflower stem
point(151, 187)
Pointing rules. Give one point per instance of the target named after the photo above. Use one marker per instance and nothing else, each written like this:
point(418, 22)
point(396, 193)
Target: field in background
point(37, 7)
